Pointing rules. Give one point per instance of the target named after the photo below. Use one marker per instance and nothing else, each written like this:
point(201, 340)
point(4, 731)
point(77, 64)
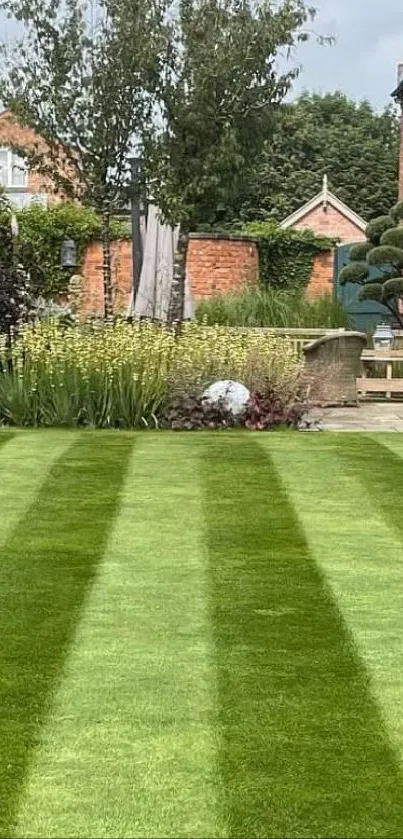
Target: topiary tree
point(383, 250)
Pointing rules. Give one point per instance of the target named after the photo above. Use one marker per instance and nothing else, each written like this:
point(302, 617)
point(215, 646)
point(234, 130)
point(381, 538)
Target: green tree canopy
point(195, 84)
point(219, 98)
point(331, 134)
point(220, 93)
point(87, 85)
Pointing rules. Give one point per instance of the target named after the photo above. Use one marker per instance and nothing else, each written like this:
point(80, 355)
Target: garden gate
point(366, 314)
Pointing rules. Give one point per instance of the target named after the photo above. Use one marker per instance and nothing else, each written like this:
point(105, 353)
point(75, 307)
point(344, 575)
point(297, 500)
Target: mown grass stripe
point(304, 751)
point(360, 554)
point(380, 470)
point(46, 568)
point(5, 437)
point(130, 748)
point(24, 464)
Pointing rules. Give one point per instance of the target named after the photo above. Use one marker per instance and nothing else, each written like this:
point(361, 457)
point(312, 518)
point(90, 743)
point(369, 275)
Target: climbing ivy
point(39, 241)
point(286, 256)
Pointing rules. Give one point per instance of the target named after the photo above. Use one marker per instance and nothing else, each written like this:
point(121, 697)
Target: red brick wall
point(219, 265)
point(215, 266)
point(93, 295)
point(330, 222)
point(321, 281)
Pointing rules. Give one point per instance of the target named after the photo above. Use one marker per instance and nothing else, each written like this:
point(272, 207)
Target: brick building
point(326, 215)
point(22, 185)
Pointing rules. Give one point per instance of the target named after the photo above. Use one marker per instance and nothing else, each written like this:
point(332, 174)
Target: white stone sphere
point(234, 395)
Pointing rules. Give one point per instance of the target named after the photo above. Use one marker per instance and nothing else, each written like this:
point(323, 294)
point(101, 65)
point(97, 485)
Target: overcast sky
point(369, 45)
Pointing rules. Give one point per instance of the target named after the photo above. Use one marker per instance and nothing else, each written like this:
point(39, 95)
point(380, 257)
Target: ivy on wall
point(286, 256)
point(39, 241)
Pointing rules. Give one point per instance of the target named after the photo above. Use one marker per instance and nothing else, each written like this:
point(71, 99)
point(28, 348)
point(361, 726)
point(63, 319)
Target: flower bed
point(121, 375)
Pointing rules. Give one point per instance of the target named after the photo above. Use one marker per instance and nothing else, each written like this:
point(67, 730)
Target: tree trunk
point(177, 299)
point(106, 266)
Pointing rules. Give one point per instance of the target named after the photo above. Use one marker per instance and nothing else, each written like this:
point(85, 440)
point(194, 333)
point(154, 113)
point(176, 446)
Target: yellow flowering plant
point(120, 375)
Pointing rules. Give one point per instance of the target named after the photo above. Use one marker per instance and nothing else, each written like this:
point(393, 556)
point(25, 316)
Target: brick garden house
point(326, 215)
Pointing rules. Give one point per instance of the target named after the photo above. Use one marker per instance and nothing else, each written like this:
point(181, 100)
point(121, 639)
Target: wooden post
point(389, 373)
point(137, 247)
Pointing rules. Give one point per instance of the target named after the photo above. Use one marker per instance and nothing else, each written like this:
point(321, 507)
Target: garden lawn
point(201, 635)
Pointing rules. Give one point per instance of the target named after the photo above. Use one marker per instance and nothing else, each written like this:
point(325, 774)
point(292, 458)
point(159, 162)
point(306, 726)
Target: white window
point(20, 200)
point(13, 170)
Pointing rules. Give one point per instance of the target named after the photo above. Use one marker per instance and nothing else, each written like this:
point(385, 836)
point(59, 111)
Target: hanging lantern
point(68, 255)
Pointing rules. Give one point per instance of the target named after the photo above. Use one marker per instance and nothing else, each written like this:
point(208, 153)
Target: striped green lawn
point(201, 635)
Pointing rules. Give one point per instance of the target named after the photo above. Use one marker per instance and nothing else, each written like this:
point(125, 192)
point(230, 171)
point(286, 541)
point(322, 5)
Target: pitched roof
point(325, 197)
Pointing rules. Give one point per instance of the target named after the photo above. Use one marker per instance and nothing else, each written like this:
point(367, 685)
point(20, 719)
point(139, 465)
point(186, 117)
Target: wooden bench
point(387, 385)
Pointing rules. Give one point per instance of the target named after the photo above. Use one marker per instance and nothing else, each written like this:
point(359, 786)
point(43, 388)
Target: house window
point(13, 170)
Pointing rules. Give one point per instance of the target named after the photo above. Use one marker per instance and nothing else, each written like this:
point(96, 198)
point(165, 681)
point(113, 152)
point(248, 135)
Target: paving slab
point(368, 416)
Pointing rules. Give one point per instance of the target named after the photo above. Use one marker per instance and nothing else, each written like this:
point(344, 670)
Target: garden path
point(369, 416)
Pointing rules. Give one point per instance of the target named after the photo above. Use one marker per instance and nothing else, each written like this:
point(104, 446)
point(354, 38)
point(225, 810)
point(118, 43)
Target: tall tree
point(85, 80)
point(354, 145)
point(220, 93)
point(196, 82)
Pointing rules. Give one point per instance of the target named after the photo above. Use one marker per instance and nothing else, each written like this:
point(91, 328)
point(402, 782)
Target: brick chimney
point(398, 97)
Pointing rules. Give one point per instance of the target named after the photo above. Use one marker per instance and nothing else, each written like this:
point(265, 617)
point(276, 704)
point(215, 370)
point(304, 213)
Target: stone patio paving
point(369, 416)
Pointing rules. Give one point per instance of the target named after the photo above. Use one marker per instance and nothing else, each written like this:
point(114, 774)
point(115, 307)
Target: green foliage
point(385, 255)
point(220, 94)
point(353, 144)
point(260, 307)
point(394, 237)
point(371, 291)
point(84, 89)
point(384, 283)
point(354, 272)
point(397, 212)
point(86, 86)
point(377, 228)
point(195, 86)
point(285, 256)
point(41, 233)
point(392, 288)
point(121, 374)
point(358, 253)
point(16, 297)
